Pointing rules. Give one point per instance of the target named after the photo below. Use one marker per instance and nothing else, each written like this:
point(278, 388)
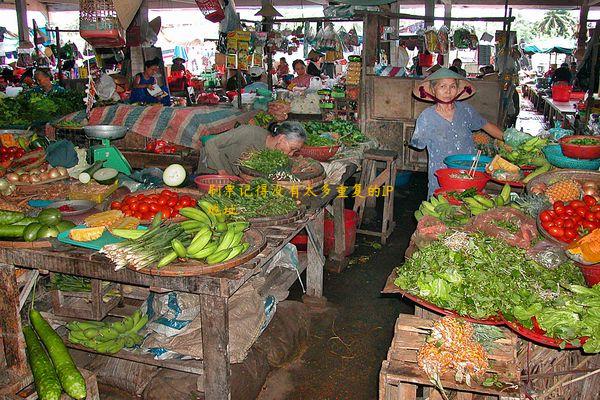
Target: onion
point(12, 177)
point(43, 168)
point(44, 176)
point(589, 190)
point(62, 171)
point(34, 178)
point(25, 178)
point(589, 184)
point(3, 184)
point(53, 172)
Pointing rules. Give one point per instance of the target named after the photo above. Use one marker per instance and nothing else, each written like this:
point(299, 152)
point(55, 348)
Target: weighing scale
point(111, 156)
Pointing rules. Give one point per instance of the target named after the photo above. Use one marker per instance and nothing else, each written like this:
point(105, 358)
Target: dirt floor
point(350, 338)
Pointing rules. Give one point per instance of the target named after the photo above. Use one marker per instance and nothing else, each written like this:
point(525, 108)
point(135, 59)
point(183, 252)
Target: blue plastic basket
point(555, 157)
point(402, 178)
point(464, 161)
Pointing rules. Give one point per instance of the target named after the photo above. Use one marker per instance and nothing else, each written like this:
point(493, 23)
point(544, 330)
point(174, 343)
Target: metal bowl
point(112, 132)
point(78, 206)
point(17, 132)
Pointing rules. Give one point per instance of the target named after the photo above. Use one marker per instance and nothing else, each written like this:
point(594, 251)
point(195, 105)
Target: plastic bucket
point(300, 241)
point(350, 223)
point(402, 178)
point(425, 60)
point(591, 273)
point(561, 93)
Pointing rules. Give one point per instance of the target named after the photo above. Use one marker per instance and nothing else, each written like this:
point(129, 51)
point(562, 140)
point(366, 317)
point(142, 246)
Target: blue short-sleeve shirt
point(443, 138)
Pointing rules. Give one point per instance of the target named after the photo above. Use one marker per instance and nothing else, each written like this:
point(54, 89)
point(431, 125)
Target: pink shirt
point(301, 81)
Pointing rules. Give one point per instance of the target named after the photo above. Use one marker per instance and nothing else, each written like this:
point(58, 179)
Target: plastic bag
point(442, 40)
point(462, 38)
point(514, 137)
point(557, 132)
point(428, 230)
point(353, 37)
point(548, 254)
point(431, 40)
point(507, 224)
point(327, 39)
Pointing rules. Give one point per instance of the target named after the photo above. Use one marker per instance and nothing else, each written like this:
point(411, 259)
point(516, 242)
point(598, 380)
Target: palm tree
point(557, 23)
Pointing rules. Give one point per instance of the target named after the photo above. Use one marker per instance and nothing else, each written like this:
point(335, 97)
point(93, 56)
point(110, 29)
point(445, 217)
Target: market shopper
point(446, 128)
point(145, 81)
point(43, 78)
point(313, 58)
point(283, 69)
point(457, 64)
point(221, 153)
point(256, 78)
point(562, 74)
point(302, 79)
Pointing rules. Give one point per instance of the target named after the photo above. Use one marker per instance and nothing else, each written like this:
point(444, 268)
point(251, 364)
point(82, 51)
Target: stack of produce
point(108, 338)
point(145, 207)
point(345, 132)
point(480, 277)
point(279, 109)
point(18, 227)
point(33, 174)
point(55, 370)
point(526, 154)
point(206, 236)
point(569, 221)
point(29, 108)
point(262, 119)
point(451, 346)
point(354, 70)
point(259, 199)
point(266, 161)
point(587, 247)
point(566, 189)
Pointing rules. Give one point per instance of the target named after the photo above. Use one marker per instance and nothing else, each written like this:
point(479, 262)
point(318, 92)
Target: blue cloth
point(253, 87)
point(443, 138)
point(141, 95)
point(56, 88)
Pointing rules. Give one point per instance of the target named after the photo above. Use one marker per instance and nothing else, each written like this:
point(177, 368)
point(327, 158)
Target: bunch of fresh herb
point(266, 161)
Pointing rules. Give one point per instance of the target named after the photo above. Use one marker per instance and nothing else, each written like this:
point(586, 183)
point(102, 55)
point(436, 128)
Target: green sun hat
point(424, 91)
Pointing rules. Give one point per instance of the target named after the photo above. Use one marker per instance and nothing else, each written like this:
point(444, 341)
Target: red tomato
point(570, 233)
point(134, 206)
point(589, 225)
point(559, 208)
point(577, 218)
point(547, 225)
point(148, 215)
point(577, 204)
point(124, 208)
point(556, 232)
point(138, 215)
point(188, 199)
point(560, 223)
point(589, 200)
point(115, 205)
point(166, 212)
point(141, 197)
point(595, 208)
point(581, 211)
point(153, 197)
point(166, 192)
point(144, 207)
point(569, 210)
point(569, 223)
point(181, 203)
point(154, 207)
point(590, 216)
point(129, 200)
point(597, 213)
point(172, 202)
point(545, 216)
point(129, 213)
point(162, 201)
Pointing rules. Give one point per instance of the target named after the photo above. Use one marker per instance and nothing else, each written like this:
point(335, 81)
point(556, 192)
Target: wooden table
point(556, 110)
point(213, 290)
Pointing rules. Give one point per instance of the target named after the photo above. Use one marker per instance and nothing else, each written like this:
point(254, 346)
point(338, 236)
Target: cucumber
point(46, 381)
point(105, 176)
point(31, 231)
point(12, 231)
point(49, 216)
point(26, 221)
point(10, 217)
point(86, 176)
point(69, 376)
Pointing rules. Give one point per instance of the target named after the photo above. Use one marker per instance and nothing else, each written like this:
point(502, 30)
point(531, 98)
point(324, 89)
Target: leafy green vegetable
point(266, 161)
point(483, 276)
point(585, 142)
point(31, 108)
point(348, 133)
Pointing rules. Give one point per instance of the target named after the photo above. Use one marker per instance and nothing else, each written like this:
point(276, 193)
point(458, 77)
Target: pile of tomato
point(569, 221)
point(11, 153)
point(145, 207)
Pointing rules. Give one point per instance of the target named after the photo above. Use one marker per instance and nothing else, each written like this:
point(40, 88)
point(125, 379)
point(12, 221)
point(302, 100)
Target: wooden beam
point(447, 14)
point(429, 12)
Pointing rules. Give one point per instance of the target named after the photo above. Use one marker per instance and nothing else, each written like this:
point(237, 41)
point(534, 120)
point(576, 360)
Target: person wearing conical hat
point(446, 127)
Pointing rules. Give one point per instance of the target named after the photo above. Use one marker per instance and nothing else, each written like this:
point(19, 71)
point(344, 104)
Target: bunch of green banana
point(439, 207)
point(221, 244)
point(108, 338)
point(478, 203)
point(206, 214)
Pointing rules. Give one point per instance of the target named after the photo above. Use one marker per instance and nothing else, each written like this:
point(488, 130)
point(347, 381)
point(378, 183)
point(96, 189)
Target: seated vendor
point(256, 76)
point(179, 79)
point(221, 153)
point(146, 80)
point(232, 81)
point(302, 79)
point(43, 78)
point(313, 58)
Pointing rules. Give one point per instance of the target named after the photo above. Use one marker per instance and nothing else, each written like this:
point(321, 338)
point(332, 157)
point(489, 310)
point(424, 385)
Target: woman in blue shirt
point(446, 128)
point(44, 80)
point(144, 81)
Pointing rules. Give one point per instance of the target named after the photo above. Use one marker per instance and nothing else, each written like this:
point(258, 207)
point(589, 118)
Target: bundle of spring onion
point(149, 248)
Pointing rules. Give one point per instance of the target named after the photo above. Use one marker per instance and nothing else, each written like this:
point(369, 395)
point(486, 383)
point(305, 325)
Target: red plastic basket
point(319, 153)
point(206, 182)
point(561, 93)
point(591, 273)
point(211, 9)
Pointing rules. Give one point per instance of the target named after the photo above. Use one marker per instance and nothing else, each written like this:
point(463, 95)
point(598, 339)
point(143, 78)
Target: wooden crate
point(84, 305)
point(29, 393)
point(552, 374)
point(400, 376)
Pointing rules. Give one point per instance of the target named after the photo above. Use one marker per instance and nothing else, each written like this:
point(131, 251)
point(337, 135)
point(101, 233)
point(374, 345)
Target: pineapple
point(126, 223)
point(532, 204)
point(86, 234)
point(564, 190)
point(104, 219)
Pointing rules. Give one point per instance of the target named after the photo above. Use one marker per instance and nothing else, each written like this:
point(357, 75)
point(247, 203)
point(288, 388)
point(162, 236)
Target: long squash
point(46, 381)
point(70, 378)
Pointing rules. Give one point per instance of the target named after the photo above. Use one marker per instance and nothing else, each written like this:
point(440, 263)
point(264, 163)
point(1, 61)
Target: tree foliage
point(557, 23)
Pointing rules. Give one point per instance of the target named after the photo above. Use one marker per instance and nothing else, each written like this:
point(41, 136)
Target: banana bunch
point(108, 338)
point(438, 207)
point(477, 204)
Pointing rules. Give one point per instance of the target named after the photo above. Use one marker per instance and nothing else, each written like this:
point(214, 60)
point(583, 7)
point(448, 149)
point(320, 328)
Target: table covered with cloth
point(180, 125)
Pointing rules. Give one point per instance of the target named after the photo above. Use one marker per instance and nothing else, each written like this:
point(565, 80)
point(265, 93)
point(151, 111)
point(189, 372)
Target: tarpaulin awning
point(533, 49)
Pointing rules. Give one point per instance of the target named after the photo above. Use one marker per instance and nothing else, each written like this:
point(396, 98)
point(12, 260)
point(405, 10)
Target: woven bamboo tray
point(254, 237)
point(553, 176)
point(277, 220)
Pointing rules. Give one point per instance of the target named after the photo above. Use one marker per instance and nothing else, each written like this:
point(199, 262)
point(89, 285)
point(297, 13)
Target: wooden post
point(314, 252)
point(21, 8)
point(370, 41)
point(337, 259)
point(447, 13)
point(10, 323)
point(429, 12)
point(582, 33)
point(214, 313)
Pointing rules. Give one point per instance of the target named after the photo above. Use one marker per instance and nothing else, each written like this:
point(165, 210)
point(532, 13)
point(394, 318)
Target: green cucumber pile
point(108, 338)
point(479, 276)
point(54, 371)
point(205, 236)
point(15, 226)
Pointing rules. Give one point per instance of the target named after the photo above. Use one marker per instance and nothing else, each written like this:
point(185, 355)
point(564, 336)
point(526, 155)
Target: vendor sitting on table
point(44, 80)
point(144, 81)
point(303, 79)
point(222, 152)
point(446, 128)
